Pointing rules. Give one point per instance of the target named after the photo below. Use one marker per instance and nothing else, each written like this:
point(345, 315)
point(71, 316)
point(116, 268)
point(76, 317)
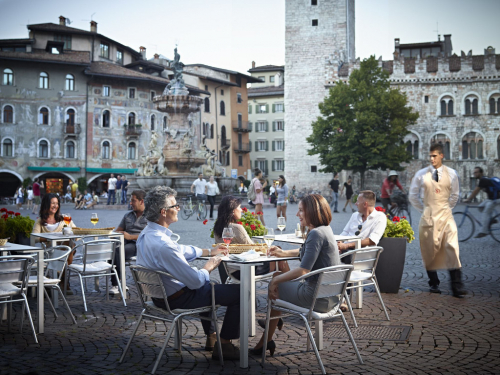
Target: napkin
point(246, 256)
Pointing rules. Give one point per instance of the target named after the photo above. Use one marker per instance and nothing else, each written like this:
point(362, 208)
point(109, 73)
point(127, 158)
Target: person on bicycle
point(489, 204)
point(387, 188)
point(199, 184)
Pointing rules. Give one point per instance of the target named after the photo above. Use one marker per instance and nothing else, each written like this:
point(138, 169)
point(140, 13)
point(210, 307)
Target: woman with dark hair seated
point(229, 213)
point(318, 251)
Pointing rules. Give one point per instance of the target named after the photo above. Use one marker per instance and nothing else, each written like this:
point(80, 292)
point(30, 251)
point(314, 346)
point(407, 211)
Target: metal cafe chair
point(331, 282)
point(149, 285)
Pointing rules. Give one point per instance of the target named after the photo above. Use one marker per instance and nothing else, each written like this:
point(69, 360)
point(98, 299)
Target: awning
point(52, 169)
point(111, 170)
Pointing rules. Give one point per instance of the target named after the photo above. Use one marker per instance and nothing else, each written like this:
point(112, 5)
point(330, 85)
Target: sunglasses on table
point(359, 230)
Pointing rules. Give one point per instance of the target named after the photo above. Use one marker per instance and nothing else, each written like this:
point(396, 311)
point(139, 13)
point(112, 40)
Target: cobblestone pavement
point(444, 334)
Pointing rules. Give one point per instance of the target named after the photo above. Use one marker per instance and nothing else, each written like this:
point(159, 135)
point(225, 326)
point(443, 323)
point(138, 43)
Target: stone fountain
point(175, 158)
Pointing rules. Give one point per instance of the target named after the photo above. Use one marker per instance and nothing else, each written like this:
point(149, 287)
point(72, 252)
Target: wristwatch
point(209, 252)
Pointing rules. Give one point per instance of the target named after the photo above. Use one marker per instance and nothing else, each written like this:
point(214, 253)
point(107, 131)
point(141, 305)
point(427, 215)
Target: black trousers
point(130, 251)
point(211, 200)
point(455, 277)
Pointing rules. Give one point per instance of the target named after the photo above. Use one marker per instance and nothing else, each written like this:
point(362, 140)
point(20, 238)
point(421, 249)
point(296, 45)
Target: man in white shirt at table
point(191, 288)
point(199, 190)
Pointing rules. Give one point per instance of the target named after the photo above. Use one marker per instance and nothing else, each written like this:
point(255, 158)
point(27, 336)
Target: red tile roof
point(40, 55)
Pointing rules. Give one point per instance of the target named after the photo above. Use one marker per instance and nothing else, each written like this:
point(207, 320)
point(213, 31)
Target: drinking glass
point(227, 235)
point(281, 224)
point(268, 238)
point(67, 219)
point(94, 219)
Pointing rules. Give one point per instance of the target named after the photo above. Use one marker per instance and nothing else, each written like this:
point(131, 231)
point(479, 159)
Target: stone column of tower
point(314, 35)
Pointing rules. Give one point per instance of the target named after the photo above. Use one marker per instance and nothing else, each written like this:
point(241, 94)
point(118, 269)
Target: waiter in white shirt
point(199, 186)
point(434, 192)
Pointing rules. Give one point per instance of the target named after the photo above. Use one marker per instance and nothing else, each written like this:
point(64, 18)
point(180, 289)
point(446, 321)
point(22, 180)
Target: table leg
point(55, 293)
point(318, 333)
point(123, 271)
point(245, 295)
point(252, 302)
point(40, 294)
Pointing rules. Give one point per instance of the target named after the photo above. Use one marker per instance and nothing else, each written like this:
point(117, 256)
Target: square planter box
point(391, 264)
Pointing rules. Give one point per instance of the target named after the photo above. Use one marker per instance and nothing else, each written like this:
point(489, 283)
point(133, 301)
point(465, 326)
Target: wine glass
point(281, 224)
point(268, 238)
point(227, 235)
point(94, 219)
point(67, 219)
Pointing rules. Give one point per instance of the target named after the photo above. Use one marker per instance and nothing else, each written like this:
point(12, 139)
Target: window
point(271, 79)
point(43, 116)
point(412, 145)
point(119, 57)
point(44, 80)
point(221, 91)
point(153, 94)
point(495, 104)
point(165, 123)
point(238, 98)
point(472, 146)
point(106, 117)
point(240, 120)
point(66, 38)
point(314, 2)
point(105, 150)
point(279, 165)
point(261, 146)
point(153, 120)
point(278, 107)
point(131, 93)
point(314, 168)
point(131, 151)
point(43, 149)
point(426, 99)
point(279, 126)
point(447, 106)
point(240, 161)
point(262, 78)
point(471, 105)
point(70, 117)
point(70, 82)
point(261, 164)
point(261, 126)
point(223, 136)
point(8, 114)
point(314, 23)
point(70, 150)
point(106, 90)
point(8, 77)
point(261, 108)
point(222, 108)
point(131, 118)
point(279, 145)
point(104, 51)
point(207, 105)
point(445, 141)
point(212, 131)
point(206, 87)
point(7, 147)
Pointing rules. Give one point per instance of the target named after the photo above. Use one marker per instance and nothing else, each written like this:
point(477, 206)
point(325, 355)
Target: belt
point(177, 294)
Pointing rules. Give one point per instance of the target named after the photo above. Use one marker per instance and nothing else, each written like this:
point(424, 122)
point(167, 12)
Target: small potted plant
point(16, 226)
point(391, 263)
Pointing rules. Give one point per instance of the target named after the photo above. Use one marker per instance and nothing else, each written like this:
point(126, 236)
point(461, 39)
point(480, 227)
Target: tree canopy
point(362, 124)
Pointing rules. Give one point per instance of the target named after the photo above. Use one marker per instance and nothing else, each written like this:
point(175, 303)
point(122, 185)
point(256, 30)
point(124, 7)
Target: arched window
point(227, 157)
point(131, 151)
point(221, 160)
point(447, 106)
point(70, 82)
point(412, 145)
point(70, 117)
point(207, 105)
point(44, 80)
point(153, 120)
point(8, 77)
point(106, 119)
point(222, 108)
point(8, 114)
point(494, 104)
point(106, 150)
point(450, 107)
point(43, 149)
point(203, 129)
point(165, 122)
point(70, 150)
point(43, 116)
point(471, 105)
point(7, 147)
point(445, 141)
point(472, 146)
point(212, 131)
point(131, 118)
point(223, 135)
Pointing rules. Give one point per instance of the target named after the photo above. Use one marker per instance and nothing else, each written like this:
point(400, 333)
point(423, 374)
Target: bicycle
point(466, 224)
point(402, 208)
point(188, 208)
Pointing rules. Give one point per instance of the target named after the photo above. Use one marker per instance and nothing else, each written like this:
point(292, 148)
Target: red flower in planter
point(378, 208)
point(253, 213)
point(246, 224)
point(396, 219)
point(10, 212)
point(244, 209)
point(5, 216)
point(239, 222)
point(3, 210)
point(252, 227)
point(17, 214)
point(404, 217)
point(205, 222)
point(260, 213)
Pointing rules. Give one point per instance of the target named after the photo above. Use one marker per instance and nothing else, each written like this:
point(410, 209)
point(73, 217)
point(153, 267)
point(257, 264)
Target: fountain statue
point(177, 155)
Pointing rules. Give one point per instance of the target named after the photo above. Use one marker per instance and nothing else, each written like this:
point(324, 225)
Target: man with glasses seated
point(191, 288)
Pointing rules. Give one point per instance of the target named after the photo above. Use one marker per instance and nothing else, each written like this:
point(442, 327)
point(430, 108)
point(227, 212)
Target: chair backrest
point(366, 259)
point(149, 284)
point(97, 251)
point(15, 269)
point(175, 237)
point(57, 259)
point(332, 281)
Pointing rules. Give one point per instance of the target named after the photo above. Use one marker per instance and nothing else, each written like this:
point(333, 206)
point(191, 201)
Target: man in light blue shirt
point(191, 287)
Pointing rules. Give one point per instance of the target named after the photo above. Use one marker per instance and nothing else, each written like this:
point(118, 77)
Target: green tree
point(362, 124)
point(82, 184)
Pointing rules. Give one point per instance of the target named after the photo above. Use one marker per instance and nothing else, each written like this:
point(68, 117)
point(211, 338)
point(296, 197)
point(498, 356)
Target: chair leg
point(66, 304)
point(216, 326)
point(50, 302)
point(119, 287)
point(9, 315)
point(29, 316)
point(311, 338)
point(179, 335)
point(83, 292)
point(352, 339)
point(107, 287)
point(22, 318)
point(132, 337)
point(170, 330)
point(266, 331)
point(380, 298)
point(351, 310)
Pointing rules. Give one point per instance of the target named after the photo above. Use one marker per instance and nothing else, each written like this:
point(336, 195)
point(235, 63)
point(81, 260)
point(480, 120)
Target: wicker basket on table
point(86, 231)
point(241, 248)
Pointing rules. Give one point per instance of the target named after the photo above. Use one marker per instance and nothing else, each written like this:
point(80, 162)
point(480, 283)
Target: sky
point(231, 34)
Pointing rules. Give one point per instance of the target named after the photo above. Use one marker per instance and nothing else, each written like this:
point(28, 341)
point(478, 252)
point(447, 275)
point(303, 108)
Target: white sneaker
point(114, 290)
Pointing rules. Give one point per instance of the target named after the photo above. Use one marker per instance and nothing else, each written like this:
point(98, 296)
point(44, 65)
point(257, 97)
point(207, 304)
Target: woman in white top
point(20, 197)
point(211, 190)
point(30, 197)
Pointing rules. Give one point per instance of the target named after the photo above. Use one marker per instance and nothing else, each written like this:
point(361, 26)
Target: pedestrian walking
point(74, 189)
point(125, 184)
point(348, 193)
point(112, 189)
point(282, 199)
point(258, 185)
point(29, 194)
point(211, 190)
point(119, 189)
point(42, 189)
point(36, 197)
point(20, 197)
point(199, 184)
point(439, 186)
point(334, 187)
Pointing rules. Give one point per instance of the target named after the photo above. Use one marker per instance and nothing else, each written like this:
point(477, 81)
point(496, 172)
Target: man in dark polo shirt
point(131, 226)
point(334, 187)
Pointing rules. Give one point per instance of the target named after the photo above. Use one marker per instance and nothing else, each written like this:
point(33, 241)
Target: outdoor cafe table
point(40, 295)
point(55, 237)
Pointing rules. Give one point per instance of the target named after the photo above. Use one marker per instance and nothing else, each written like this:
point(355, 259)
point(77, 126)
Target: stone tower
point(319, 34)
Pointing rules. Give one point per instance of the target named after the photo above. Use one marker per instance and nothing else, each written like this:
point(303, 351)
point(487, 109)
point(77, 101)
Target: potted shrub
point(16, 226)
point(391, 263)
point(249, 220)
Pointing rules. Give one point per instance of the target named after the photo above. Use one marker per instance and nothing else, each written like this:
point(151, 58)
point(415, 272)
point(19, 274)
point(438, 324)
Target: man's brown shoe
point(211, 339)
point(229, 351)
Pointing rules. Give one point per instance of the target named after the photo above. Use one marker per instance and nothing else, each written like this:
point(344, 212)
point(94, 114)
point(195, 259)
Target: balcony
point(133, 131)
point(242, 126)
point(241, 148)
point(72, 130)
